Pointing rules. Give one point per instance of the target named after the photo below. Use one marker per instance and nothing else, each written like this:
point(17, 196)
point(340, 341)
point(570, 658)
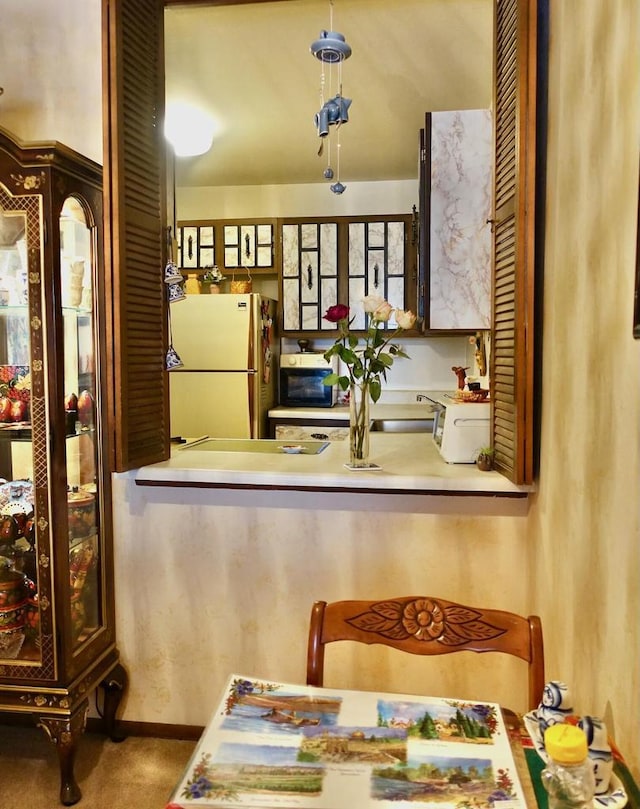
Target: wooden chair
point(424, 625)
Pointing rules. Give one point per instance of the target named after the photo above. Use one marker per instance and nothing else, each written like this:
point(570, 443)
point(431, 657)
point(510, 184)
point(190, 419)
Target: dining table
point(272, 745)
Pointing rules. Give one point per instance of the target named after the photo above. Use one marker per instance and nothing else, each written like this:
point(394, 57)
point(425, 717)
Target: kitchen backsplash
point(429, 366)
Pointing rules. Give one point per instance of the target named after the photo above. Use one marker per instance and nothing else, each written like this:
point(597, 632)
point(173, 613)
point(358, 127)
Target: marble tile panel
point(460, 256)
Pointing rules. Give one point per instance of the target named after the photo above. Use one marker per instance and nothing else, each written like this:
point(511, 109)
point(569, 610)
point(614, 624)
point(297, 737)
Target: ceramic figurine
point(333, 111)
point(172, 359)
point(461, 373)
point(600, 753)
point(172, 274)
point(176, 292)
point(555, 706)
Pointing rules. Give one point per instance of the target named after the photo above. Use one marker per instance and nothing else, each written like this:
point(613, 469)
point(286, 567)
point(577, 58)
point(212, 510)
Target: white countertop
point(410, 462)
point(377, 411)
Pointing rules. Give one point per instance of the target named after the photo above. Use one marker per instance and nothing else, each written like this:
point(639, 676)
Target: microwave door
point(305, 387)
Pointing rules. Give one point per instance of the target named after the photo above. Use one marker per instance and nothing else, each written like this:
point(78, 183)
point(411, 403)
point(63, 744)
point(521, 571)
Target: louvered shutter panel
point(514, 236)
point(135, 196)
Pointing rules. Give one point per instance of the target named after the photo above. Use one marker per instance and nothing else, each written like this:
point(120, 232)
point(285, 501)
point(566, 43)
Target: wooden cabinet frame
point(257, 264)
point(343, 224)
point(58, 638)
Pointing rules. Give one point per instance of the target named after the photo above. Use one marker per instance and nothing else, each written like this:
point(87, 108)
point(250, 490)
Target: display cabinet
point(57, 638)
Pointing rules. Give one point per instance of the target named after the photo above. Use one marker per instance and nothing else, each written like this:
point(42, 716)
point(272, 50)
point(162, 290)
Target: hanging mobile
point(331, 49)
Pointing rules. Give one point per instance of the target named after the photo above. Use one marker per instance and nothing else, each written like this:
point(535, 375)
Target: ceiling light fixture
point(331, 49)
point(188, 129)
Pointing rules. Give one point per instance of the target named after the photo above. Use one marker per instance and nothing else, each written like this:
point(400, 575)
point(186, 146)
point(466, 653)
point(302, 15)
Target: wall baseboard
point(155, 730)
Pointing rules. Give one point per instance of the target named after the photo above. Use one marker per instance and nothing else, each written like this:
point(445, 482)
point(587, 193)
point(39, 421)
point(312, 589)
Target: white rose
point(372, 302)
point(405, 320)
point(382, 313)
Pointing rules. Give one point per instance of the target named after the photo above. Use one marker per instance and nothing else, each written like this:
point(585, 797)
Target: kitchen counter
point(377, 411)
point(410, 463)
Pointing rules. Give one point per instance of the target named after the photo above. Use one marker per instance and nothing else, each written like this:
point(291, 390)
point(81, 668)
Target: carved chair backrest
point(423, 625)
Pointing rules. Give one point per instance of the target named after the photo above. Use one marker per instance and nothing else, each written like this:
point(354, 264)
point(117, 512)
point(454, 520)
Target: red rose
point(335, 314)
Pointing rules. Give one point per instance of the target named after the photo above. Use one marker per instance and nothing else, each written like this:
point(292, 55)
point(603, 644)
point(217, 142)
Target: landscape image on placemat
point(442, 720)
point(349, 745)
point(456, 780)
point(260, 707)
point(251, 769)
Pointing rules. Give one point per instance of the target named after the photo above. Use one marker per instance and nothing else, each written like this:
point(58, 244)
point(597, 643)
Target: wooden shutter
point(135, 207)
point(514, 238)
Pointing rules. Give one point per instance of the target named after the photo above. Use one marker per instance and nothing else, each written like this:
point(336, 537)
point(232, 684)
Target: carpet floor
point(138, 773)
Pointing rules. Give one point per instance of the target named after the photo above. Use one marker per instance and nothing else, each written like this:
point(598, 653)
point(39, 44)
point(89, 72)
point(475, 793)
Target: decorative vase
point(192, 285)
point(15, 591)
point(359, 425)
point(214, 289)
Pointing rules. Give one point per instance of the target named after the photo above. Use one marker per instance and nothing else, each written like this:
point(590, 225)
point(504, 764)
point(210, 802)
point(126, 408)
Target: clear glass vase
point(359, 425)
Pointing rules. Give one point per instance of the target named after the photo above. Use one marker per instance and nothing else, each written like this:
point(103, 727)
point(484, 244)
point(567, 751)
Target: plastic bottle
point(568, 777)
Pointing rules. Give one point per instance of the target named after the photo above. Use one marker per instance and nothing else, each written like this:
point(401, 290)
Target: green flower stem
point(359, 422)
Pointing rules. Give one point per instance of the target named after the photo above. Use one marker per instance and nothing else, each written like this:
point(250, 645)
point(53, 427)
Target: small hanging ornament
point(331, 49)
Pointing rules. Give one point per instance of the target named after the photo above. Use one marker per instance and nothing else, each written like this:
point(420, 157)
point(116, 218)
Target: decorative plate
point(614, 798)
point(22, 488)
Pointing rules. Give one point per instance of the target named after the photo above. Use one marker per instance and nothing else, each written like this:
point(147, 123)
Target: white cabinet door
point(459, 210)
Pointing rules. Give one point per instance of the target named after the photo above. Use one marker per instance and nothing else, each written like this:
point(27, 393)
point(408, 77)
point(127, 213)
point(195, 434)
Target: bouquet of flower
point(366, 364)
point(213, 275)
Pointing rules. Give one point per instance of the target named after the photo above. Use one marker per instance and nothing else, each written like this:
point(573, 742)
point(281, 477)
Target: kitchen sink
point(261, 445)
point(401, 425)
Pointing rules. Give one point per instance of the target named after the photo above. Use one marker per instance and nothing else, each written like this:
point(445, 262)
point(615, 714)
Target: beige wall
point(574, 558)
point(584, 532)
point(296, 200)
point(52, 73)
point(211, 583)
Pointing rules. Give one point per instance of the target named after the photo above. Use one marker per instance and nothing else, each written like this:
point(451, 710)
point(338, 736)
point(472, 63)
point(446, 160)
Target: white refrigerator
point(228, 380)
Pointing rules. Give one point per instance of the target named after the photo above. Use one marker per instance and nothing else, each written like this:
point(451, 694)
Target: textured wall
point(584, 534)
point(51, 73)
point(214, 582)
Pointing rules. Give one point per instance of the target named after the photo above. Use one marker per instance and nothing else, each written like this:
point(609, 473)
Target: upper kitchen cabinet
point(57, 637)
point(340, 260)
point(309, 279)
point(236, 246)
point(455, 206)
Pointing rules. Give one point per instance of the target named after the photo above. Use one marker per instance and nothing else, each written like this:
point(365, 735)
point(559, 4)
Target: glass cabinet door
point(377, 266)
point(82, 434)
point(20, 638)
point(309, 274)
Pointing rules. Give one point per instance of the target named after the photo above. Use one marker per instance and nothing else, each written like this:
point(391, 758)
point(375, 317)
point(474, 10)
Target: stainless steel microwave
point(301, 380)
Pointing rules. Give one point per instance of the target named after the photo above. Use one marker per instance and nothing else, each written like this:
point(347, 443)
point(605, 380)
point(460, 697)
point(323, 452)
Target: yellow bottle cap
point(566, 744)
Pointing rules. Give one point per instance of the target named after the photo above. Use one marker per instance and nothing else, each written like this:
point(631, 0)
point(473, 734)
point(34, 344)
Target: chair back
point(423, 625)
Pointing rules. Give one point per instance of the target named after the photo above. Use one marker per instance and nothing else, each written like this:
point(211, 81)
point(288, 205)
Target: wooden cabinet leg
point(65, 733)
point(114, 687)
